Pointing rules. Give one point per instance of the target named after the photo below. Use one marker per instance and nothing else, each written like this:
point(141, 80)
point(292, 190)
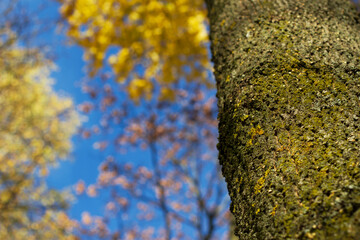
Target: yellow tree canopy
point(35, 130)
point(146, 42)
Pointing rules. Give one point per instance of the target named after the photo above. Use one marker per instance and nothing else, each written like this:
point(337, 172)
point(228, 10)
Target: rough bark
point(288, 82)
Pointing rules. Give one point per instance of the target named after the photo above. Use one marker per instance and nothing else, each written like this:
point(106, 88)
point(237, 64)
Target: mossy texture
point(288, 81)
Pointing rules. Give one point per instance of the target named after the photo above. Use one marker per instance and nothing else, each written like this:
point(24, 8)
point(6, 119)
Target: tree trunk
point(288, 82)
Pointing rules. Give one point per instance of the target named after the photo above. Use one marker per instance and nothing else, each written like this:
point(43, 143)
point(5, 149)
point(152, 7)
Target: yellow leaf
point(139, 88)
point(167, 94)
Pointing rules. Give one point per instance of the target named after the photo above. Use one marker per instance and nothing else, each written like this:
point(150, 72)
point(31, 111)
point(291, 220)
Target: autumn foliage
point(36, 127)
point(149, 45)
point(154, 53)
point(149, 79)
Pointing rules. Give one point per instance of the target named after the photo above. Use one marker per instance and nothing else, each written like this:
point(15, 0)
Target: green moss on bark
point(288, 82)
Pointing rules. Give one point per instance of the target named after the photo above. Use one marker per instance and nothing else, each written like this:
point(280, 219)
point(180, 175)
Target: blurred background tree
point(149, 76)
point(35, 131)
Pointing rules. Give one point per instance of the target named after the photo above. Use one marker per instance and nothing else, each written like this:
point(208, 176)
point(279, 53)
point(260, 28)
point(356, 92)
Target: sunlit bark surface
point(288, 83)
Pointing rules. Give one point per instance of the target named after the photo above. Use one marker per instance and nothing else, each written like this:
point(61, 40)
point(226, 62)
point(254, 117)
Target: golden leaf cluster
point(36, 126)
point(144, 41)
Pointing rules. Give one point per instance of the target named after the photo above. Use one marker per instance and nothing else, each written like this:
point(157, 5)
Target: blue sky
point(84, 160)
